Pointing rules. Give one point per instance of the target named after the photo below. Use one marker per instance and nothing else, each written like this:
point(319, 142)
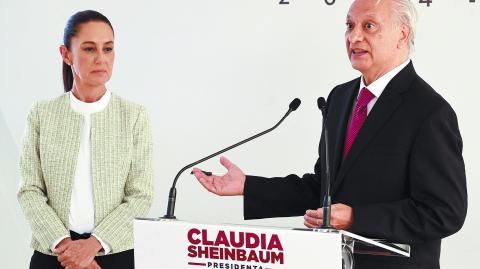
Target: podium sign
point(177, 244)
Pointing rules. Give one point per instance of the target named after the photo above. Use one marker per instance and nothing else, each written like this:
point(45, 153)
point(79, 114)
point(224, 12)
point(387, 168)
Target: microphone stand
point(173, 191)
point(327, 199)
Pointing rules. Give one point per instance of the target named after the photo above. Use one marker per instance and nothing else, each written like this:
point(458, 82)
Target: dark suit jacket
point(404, 175)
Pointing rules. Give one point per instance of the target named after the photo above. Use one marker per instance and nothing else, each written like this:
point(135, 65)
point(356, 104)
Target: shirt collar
point(381, 83)
point(89, 108)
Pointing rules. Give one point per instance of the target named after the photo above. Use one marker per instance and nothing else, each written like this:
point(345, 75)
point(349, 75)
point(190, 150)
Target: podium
point(178, 244)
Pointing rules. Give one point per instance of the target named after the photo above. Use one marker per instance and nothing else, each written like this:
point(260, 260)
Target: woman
point(86, 160)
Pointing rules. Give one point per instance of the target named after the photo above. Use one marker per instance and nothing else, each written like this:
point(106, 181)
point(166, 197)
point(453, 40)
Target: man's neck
point(370, 77)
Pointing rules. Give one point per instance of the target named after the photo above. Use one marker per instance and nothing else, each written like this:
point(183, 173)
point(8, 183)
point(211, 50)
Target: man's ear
point(65, 54)
point(405, 33)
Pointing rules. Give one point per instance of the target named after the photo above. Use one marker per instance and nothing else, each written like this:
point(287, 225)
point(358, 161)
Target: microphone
point(327, 198)
point(322, 105)
point(173, 191)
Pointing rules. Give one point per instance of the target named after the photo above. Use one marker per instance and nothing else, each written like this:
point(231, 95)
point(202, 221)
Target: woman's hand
point(64, 242)
point(78, 253)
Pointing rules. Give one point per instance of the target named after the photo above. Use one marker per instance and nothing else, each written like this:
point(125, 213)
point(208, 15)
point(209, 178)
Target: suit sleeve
point(285, 196)
point(118, 225)
point(437, 205)
point(280, 197)
point(45, 224)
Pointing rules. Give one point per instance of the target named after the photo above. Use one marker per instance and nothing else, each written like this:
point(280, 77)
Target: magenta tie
point(358, 118)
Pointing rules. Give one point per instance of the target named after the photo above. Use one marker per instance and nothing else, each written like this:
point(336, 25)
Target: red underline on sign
point(197, 263)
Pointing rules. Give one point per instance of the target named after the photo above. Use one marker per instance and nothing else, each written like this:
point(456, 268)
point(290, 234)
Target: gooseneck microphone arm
point(173, 191)
point(327, 199)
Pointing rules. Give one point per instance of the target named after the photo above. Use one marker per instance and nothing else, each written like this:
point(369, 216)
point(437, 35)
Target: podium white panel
point(179, 244)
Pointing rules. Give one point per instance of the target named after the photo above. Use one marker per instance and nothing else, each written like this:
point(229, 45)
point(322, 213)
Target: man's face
point(375, 45)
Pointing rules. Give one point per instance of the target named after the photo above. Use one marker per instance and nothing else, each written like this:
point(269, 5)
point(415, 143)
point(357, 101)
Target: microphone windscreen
point(322, 104)
point(295, 104)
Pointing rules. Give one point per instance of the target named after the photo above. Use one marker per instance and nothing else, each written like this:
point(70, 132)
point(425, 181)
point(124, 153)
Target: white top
point(81, 217)
point(380, 84)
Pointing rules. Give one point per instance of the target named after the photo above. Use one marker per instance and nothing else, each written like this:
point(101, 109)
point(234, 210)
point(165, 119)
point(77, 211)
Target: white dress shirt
point(81, 217)
point(380, 84)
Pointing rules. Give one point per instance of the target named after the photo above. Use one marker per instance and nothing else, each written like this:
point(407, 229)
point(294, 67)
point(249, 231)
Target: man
point(396, 151)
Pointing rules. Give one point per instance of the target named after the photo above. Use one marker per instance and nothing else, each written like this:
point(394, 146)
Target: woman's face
point(91, 54)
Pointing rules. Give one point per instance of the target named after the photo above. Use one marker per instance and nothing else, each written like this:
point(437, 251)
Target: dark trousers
point(121, 260)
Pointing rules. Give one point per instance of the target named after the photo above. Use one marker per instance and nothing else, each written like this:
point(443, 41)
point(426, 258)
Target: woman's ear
point(65, 54)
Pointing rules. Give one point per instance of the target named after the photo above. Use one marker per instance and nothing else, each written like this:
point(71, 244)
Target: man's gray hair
point(406, 14)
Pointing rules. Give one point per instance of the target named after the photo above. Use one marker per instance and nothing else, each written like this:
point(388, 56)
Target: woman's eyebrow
point(93, 43)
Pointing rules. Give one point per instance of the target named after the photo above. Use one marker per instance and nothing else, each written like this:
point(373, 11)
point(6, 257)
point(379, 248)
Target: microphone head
point(322, 104)
point(294, 104)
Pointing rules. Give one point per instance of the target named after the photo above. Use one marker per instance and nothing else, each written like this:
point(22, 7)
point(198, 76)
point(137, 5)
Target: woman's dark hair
point(70, 31)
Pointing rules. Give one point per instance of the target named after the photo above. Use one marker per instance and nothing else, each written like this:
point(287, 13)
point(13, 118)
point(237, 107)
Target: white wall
point(212, 72)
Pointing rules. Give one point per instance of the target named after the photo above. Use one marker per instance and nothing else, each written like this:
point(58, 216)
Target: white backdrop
point(212, 72)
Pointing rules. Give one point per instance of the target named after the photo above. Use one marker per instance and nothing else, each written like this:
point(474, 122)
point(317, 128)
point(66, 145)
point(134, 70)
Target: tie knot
point(365, 97)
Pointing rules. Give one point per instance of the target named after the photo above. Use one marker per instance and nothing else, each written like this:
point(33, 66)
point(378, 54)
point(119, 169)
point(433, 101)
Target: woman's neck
point(88, 94)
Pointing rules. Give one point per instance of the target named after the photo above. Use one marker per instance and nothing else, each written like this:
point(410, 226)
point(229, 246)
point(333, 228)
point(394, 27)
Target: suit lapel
point(384, 107)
